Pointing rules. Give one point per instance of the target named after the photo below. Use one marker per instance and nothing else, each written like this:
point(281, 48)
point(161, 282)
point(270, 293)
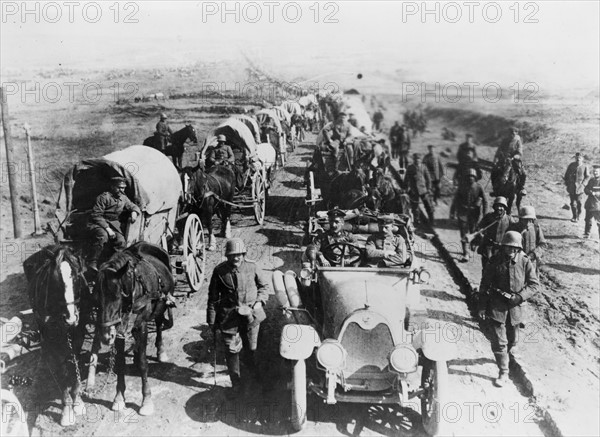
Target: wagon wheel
point(259, 197)
point(193, 252)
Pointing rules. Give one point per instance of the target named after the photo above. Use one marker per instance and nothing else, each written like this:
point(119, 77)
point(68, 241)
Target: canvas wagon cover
point(249, 121)
point(152, 180)
point(238, 135)
point(264, 115)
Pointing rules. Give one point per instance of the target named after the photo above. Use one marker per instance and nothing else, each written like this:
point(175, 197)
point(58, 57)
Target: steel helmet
point(472, 172)
point(512, 239)
point(235, 246)
point(501, 201)
point(527, 212)
point(163, 116)
point(221, 138)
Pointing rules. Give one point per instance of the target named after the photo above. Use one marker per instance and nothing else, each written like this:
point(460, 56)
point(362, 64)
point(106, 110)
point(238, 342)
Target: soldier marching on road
point(592, 204)
point(436, 170)
point(496, 224)
point(469, 205)
point(532, 234)
point(419, 188)
point(237, 293)
point(508, 281)
point(576, 177)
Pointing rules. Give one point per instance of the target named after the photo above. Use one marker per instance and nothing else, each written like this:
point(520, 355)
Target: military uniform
point(419, 188)
point(231, 288)
point(463, 152)
point(491, 238)
point(379, 243)
point(220, 154)
point(464, 168)
point(576, 178)
point(512, 148)
point(533, 241)
point(333, 137)
point(108, 212)
point(436, 171)
point(163, 133)
point(514, 277)
point(592, 205)
point(468, 205)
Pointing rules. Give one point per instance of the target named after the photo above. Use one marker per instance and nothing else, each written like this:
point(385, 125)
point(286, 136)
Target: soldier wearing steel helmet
point(469, 205)
point(508, 281)
point(532, 235)
point(237, 293)
point(496, 224)
point(163, 132)
point(221, 154)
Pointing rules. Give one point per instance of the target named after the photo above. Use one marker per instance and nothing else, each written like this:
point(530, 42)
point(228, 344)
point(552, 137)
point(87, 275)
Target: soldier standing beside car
point(468, 205)
point(419, 188)
point(592, 204)
point(576, 178)
point(237, 293)
point(436, 171)
point(508, 281)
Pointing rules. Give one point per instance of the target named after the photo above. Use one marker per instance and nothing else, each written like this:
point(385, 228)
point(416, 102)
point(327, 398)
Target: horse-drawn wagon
point(154, 185)
point(273, 132)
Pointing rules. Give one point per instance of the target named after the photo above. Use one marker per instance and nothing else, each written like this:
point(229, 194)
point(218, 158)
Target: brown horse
point(133, 288)
point(177, 148)
point(62, 305)
point(211, 191)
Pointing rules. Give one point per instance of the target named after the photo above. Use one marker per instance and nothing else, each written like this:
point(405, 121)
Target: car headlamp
point(424, 276)
point(331, 354)
point(404, 359)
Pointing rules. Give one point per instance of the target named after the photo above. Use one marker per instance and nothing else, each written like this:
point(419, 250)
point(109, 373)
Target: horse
point(344, 188)
point(176, 149)
point(133, 288)
point(207, 192)
point(505, 182)
point(62, 305)
point(389, 184)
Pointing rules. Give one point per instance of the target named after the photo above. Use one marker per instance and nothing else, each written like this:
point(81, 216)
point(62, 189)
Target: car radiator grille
point(367, 351)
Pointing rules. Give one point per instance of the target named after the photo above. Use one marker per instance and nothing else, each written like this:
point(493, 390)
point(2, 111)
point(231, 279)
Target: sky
point(554, 43)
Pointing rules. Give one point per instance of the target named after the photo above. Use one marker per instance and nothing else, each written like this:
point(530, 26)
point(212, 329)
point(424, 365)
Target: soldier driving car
point(335, 234)
point(105, 220)
point(385, 249)
point(237, 293)
point(221, 154)
point(508, 281)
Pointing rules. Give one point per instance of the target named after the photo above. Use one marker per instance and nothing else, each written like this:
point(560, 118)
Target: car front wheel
point(434, 381)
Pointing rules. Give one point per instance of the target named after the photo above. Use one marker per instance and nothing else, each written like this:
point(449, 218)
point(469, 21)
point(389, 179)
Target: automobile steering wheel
point(343, 254)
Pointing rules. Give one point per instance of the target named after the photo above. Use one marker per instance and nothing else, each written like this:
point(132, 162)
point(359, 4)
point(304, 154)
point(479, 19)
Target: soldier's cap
point(514, 129)
point(118, 180)
point(595, 166)
point(430, 146)
point(416, 156)
point(336, 213)
point(221, 138)
point(385, 219)
point(469, 135)
point(577, 155)
point(341, 113)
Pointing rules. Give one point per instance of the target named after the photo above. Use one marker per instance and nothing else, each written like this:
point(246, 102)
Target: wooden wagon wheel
point(259, 196)
point(194, 258)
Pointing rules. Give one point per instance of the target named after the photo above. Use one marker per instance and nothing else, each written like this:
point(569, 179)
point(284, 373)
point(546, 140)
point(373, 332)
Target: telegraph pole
point(12, 174)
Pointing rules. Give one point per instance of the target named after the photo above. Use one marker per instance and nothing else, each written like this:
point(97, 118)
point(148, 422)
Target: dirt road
point(188, 402)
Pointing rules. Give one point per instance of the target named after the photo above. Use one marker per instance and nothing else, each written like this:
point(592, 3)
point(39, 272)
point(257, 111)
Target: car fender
point(298, 341)
point(434, 345)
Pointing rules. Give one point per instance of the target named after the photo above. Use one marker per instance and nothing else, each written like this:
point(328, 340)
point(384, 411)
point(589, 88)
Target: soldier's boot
point(587, 229)
point(233, 367)
point(502, 361)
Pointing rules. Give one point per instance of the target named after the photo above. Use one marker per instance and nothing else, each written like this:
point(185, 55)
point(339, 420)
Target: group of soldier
point(510, 247)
